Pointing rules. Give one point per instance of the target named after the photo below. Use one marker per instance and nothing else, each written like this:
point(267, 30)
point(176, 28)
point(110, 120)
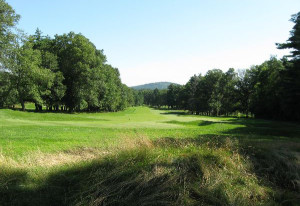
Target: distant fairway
point(54, 158)
point(27, 132)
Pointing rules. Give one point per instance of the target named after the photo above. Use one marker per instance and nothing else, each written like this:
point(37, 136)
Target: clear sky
point(168, 40)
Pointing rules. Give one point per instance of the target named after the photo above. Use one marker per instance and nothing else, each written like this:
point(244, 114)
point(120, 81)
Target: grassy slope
point(142, 155)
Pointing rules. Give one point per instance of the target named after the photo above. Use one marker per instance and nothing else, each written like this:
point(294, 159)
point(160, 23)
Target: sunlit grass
point(174, 157)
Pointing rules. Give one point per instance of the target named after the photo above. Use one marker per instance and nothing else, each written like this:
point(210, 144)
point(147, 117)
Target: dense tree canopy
point(8, 21)
point(294, 41)
point(66, 72)
point(269, 90)
point(291, 73)
point(259, 91)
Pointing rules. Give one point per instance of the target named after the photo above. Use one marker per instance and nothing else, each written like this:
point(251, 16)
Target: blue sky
point(168, 40)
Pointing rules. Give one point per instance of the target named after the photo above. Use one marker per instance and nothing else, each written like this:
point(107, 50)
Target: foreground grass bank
point(143, 156)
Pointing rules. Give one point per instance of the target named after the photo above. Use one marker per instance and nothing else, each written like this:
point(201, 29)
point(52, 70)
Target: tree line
point(66, 72)
point(269, 90)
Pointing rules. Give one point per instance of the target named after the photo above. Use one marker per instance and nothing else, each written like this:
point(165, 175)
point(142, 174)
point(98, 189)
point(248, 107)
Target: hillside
point(158, 85)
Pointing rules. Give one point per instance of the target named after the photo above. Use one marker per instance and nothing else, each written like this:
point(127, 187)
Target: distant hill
point(158, 85)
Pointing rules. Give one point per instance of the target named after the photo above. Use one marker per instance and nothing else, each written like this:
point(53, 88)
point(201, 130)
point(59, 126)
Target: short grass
point(143, 156)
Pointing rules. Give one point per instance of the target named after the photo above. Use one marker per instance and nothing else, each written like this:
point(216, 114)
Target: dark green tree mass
point(269, 90)
point(66, 72)
point(8, 21)
point(263, 91)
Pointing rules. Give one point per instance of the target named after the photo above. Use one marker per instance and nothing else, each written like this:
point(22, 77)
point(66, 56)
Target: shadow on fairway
point(175, 113)
point(132, 178)
point(138, 177)
point(249, 127)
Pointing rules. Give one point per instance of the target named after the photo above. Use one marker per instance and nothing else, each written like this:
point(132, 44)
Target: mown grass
point(143, 156)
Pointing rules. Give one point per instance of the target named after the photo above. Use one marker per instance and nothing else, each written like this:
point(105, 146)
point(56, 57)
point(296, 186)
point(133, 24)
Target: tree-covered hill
point(155, 85)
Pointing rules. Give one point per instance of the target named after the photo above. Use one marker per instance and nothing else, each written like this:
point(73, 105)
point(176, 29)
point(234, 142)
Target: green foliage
point(173, 96)
point(267, 93)
point(269, 90)
point(293, 42)
point(112, 96)
point(76, 58)
point(70, 73)
point(138, 98)
point(67, 72)
point(8, 94)
point(30, 80)
point(215, 93)
point(291, 75)
point(8, 21)
point(8, 38)
point(245, 85)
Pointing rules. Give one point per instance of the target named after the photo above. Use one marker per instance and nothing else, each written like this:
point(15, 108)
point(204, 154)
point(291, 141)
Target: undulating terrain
point(143, 156)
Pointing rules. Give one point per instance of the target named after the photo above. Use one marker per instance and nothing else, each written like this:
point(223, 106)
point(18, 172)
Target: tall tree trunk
point(23, 105)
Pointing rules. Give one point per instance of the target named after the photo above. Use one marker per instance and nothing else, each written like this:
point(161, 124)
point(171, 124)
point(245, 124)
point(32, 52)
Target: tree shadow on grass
point(263, 128)
point(132, 178)
point(249, 127)
point(139, 177)
point(272, 147)
point(175, 113)
point(274, 164)
point(10, 185)
point(191, 123)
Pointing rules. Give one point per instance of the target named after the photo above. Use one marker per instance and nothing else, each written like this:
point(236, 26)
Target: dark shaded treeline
point(264, 91)
point(269, 90)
